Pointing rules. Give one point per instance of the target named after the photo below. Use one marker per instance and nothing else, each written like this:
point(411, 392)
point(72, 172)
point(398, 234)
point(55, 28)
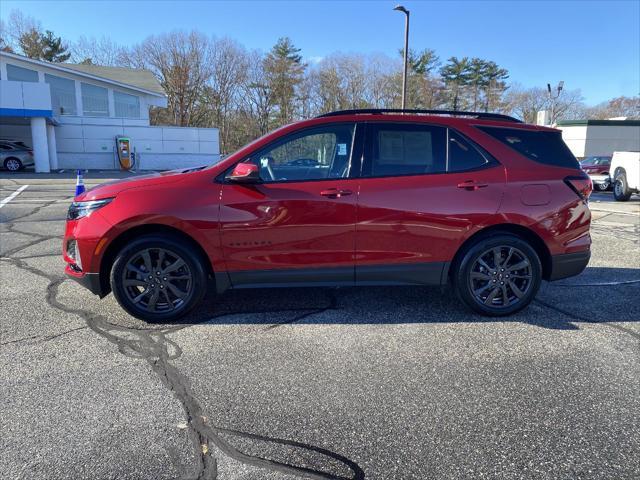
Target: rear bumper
point(568, 264)
point(90, 281)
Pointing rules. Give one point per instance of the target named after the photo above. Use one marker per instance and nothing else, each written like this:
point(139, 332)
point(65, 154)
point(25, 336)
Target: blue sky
point(591, 45)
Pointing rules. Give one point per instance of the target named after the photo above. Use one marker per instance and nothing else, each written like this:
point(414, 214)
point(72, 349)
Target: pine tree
point(456, 76)
point(43, 46)
point(284, 70)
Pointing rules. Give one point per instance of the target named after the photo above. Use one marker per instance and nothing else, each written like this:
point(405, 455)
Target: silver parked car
point(15, 155)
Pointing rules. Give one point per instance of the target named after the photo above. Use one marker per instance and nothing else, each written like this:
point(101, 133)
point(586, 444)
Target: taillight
point(30, 152)
point(581, 184)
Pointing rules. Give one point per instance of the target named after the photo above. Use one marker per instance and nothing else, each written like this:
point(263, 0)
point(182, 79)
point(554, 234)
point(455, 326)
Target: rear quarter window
point(539, 146)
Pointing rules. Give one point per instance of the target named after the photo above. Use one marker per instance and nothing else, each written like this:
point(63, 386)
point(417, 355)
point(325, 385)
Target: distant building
point(600, 137)
point(71, 114)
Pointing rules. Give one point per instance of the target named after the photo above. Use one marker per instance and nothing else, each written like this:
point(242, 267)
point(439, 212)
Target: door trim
point(423, 273)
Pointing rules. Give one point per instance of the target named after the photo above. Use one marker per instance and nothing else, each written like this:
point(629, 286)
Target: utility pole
point(553, 98)
point(400, 8)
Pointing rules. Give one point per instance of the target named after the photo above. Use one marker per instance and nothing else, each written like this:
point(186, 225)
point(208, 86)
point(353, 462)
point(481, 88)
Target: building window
point(63, 94)
point(127, 106)
point(95, 101)
point(19, 74)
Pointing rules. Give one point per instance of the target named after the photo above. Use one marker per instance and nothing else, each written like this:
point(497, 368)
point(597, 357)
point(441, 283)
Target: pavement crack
point(157, 350)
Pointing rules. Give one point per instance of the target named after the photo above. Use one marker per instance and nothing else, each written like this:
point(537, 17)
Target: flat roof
point(608, 123)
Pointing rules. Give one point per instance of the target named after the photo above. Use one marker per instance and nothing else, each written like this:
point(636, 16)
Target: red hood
point(112, 188)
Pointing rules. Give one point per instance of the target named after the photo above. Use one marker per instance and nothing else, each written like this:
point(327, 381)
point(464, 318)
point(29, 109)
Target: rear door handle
point(335, 193)
point(472, 185)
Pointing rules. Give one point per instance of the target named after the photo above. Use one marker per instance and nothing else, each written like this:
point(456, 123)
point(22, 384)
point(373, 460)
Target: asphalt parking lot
point(377, 383)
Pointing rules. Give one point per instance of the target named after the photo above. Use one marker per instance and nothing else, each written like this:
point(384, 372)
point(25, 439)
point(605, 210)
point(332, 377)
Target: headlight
point(82, 209)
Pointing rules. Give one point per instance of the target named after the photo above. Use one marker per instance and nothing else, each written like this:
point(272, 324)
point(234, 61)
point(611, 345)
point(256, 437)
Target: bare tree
point(628, 107)
point(182, 62)
point(525, 103)
point(102, 51)
point(257, 99)
point(229, 64)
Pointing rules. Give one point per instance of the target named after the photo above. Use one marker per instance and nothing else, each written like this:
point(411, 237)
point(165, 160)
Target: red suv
point(477, 202)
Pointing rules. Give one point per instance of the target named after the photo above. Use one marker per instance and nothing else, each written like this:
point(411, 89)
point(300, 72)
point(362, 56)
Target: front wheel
point(158, 278)
point(12, 164)
point(621, 190)
point(498, 276)
point(602, 187)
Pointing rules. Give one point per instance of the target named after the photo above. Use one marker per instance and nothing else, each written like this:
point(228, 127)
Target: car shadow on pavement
point(599, 294)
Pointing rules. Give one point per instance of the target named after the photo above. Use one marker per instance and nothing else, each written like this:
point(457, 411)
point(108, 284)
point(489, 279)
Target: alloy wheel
point(501, 277)
point(157, 280)
point(12, 165)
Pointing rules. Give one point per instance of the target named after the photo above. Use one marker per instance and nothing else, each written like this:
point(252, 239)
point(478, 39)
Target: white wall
point(25, 95)
point(157, 148)
point(589, 140)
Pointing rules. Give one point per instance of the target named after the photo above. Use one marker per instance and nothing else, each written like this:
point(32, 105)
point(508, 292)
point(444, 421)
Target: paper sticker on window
point(342, 149)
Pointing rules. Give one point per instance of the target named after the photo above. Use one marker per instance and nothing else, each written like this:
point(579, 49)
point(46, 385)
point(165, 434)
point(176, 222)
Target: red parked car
point(597, 167)
point(477, 202)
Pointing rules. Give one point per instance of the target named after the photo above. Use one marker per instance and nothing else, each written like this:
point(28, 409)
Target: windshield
point(593, 161)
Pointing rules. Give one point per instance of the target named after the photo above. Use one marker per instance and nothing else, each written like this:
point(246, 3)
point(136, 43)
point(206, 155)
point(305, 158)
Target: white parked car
point(15, 156)
point(625, 172)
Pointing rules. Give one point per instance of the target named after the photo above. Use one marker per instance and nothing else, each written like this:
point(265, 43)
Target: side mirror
point(245, 173)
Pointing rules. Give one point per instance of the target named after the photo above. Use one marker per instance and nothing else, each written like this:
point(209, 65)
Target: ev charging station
point(125, 155)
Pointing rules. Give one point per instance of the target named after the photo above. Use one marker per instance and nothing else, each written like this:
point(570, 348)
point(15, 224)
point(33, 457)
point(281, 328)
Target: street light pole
point(400, 8)
point(553, 98)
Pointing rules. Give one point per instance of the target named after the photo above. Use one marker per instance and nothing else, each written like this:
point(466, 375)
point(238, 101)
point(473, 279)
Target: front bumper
point(568, 264)
point(600, 179)
point(90, 281)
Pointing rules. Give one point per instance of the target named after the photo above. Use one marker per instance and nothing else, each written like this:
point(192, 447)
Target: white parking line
point(4, 201)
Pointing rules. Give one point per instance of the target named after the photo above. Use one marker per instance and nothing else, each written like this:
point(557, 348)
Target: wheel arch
point(524, 233)
point(619, 171)
point(147, 229)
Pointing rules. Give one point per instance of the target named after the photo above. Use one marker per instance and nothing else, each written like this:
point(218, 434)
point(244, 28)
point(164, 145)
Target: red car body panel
point(402, 220)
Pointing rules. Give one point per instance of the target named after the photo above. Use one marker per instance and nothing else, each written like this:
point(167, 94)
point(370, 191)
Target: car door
point(298, 224)
point(423, 189)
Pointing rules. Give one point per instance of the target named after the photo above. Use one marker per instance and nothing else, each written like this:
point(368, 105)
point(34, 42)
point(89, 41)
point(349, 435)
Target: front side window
point(127, 106)
point(63, 94)
point(404, 149)
point(463, 155)
point(95, 100)
point(314, 154)
point(19, 74)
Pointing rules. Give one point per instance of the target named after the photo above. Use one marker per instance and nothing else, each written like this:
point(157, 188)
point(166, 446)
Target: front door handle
point(335, 193)
point(472, 185)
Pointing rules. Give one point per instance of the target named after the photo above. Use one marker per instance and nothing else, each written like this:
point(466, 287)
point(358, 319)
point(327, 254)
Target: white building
point(71, 114)
point(600, 137)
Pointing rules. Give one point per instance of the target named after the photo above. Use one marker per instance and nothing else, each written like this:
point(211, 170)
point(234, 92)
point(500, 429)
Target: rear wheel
point(498, 275)
point(158, 278)
point(13, 164)
point(621, 190)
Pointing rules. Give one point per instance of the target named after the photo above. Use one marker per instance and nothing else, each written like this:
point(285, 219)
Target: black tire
point(621, 191)
point(13, 164)
point(176, 289)
point(516, 291)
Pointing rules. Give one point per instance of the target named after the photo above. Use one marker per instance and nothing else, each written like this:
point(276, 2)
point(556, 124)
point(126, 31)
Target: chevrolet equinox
point(478, 203)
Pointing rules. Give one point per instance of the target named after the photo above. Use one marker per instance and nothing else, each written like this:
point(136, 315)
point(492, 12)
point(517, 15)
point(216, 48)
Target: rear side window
point(404, 149)
point(462, 155)
point(539, 146)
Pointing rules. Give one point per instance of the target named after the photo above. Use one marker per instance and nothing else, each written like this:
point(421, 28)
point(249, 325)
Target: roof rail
point(454, 113)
